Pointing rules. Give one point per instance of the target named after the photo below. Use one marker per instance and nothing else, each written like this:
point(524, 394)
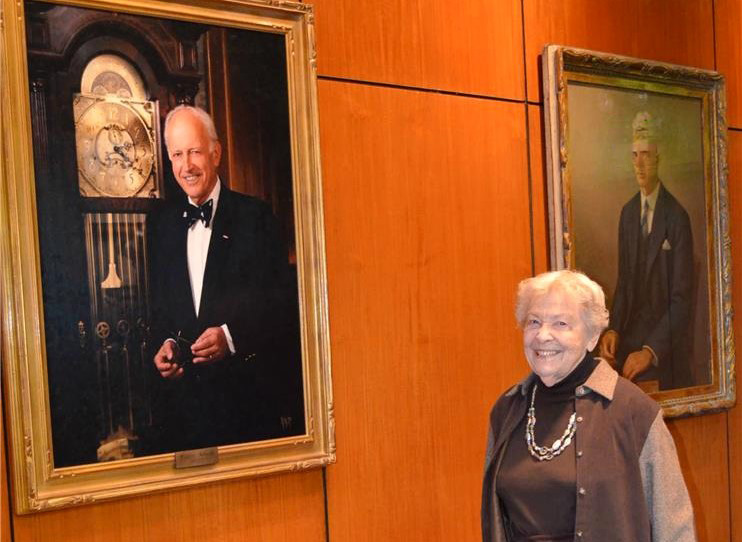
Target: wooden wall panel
point(665, 30)
point(734, 430)
point(539, 195)
point(4, 488)
point(702, 447)
point(426, 206)
point(278, 508)
point(735, 415)
point(473, 47)
point(728, 19)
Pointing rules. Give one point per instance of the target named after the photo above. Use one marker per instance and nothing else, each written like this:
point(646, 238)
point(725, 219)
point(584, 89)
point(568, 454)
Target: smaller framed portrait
point(637, 186)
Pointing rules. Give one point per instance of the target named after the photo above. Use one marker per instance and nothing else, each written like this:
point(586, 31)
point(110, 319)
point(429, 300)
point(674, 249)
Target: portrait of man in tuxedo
point(225, 329)
point(649, 332)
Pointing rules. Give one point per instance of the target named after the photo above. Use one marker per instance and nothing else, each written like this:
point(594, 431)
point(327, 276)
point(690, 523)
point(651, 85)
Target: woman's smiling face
point(555, 337)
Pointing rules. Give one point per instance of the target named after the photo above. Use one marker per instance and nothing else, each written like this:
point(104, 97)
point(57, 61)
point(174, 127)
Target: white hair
point(582, 289)
point(206, 121)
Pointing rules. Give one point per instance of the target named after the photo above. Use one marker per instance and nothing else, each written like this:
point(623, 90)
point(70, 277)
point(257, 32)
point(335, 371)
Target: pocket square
point(666, 245)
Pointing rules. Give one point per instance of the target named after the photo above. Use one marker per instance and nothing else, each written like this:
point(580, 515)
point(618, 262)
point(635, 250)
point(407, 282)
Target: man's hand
point(636, 363)
point(211, 346)
point(607, 346)
point(165, 361)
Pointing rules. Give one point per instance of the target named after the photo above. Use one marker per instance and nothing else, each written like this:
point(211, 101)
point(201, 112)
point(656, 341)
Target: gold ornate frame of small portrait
point(85, 179)
point(637, 185)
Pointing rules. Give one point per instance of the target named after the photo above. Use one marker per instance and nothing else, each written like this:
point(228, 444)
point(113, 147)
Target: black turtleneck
point(539, 496)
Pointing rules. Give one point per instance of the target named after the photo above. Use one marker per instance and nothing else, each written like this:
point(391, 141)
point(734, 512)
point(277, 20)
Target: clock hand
point(121, 151)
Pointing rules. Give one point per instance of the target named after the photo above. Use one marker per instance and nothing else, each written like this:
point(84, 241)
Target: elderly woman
point(576, 452)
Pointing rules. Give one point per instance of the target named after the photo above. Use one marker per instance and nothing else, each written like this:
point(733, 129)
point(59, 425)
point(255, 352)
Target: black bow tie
point(194, 213)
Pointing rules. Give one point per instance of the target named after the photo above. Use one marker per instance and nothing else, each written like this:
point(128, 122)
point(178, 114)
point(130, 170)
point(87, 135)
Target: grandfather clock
point(117, 143)
point(101, 84)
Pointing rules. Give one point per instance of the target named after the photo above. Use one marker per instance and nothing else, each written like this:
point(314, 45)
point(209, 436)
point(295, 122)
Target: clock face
point(115, 148)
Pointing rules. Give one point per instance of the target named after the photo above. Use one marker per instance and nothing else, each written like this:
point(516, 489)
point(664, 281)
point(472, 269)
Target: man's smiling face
point(194, 156)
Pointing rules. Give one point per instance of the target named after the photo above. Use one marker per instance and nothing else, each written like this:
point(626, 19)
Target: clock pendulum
point(112, 280)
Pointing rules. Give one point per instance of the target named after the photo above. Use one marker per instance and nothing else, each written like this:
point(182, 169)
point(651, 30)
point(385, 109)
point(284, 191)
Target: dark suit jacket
point(247, 285)
point(669, 279)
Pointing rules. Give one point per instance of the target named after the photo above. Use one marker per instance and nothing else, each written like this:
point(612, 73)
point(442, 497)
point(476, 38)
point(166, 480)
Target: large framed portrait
point(164, 305)
point(637, 184)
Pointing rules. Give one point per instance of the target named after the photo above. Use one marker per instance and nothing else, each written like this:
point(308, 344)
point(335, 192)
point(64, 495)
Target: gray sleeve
point(668, 502)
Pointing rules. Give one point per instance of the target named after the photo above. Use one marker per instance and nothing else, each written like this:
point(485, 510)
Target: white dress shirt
point(199, 238)
point(652, 200)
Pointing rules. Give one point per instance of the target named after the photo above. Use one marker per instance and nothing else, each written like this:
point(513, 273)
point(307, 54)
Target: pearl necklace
point(547, 452)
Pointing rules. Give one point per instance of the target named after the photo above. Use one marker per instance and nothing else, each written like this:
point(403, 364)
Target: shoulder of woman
point(505, 402)
point(636, 404)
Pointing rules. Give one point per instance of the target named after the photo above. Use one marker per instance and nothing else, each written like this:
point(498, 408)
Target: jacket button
point(581, 491)
point(579, 419)
point(579, 534)
point(579, 453)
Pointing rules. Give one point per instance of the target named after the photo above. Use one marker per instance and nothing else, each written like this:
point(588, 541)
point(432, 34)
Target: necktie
point(194, 213)
point(645, 219)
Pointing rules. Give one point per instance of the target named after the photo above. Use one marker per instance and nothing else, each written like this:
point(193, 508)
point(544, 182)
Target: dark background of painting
point(237, 75)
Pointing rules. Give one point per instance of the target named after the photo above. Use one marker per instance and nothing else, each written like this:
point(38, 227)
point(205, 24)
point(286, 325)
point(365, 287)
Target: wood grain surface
point(735, 468)
point(664, 30)
point(474, 47)
point(285, 508)
point(701, 442)
point(728, 20)
point(539, 195)
point(4, 488)
point(426, 203)
point(734, 427)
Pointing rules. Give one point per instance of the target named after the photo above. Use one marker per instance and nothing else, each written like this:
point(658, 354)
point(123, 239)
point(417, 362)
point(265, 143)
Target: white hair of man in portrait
point(200, 114)
point(644, 151)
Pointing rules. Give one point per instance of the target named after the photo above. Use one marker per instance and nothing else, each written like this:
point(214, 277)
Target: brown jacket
point(629, 484)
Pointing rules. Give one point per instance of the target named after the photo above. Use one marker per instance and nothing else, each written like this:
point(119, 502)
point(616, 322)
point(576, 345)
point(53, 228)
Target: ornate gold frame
point(562, 65)
point(36, 483)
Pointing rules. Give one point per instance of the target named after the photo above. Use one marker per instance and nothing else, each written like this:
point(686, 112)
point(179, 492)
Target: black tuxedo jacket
point(247, 285)
point(668, 277)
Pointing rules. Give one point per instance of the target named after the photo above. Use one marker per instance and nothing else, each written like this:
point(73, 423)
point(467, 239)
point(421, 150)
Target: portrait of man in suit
point(225, 314)
point(180, 247)
point(650, 320)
